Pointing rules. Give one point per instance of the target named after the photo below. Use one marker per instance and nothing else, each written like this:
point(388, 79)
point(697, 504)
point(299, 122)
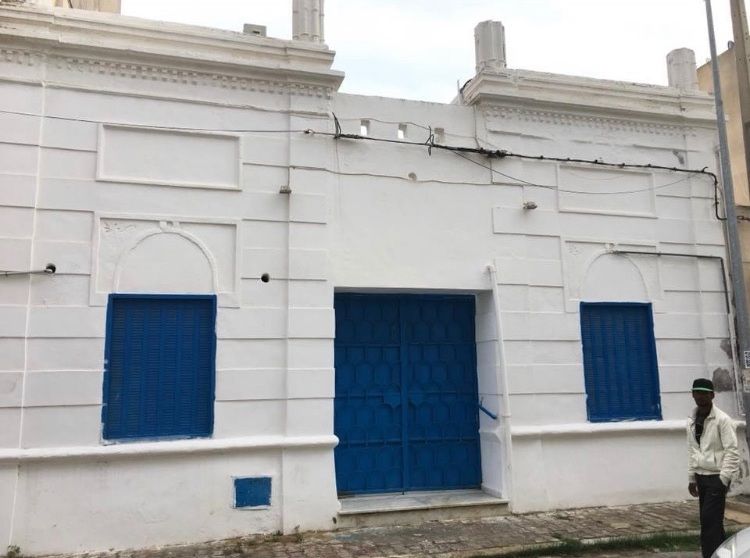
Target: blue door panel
point(368, 470)
point(367, 408)
point(440, 465)
point(406, 393)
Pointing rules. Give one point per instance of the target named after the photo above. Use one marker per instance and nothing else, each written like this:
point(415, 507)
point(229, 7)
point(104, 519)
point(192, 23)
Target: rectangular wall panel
point(169, 157)
point(603, 191)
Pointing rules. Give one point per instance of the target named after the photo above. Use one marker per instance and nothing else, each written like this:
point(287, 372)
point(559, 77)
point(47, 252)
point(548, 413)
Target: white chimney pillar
point(307, 20)
point(681, 69)
point(489, 46)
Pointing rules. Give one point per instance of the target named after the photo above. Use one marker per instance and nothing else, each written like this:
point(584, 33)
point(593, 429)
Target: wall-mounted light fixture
point(529, 205)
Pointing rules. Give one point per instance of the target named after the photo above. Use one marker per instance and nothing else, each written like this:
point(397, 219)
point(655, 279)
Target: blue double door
point(406, 410)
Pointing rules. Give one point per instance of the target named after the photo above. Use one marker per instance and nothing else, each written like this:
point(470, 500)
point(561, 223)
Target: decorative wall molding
point(163, 73)
point(74, 42)
point(54, 29)
point(188, 159)
point(604, 429)
point(570, 119)
point(167, 74)
point(580, 254)
point(577, 178)
point(116, 237)
point(563, 99)
point(22, 57)
point(166, 448)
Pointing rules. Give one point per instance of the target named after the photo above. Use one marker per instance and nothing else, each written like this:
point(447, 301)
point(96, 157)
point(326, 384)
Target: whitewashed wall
point(138, 174)
point(424, 222)
point(99, 178)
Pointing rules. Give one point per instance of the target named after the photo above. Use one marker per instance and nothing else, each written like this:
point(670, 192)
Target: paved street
point(461, 538)
point(641, 554)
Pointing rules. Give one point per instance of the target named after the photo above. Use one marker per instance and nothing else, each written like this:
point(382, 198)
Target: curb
point(736, 505)
point(520, 548)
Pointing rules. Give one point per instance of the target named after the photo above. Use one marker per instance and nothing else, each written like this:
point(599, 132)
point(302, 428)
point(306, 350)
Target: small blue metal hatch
point(252, 492)
point(406, 410)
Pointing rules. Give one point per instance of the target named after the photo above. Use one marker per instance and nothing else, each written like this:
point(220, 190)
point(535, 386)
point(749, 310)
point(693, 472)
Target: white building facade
point(253, 316)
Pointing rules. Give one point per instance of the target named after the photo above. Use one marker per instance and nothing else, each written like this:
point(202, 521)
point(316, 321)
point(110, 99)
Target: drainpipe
point(727, 306)
point(503, 376)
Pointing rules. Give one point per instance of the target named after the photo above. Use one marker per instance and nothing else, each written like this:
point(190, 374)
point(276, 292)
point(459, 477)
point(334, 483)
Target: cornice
point(22, 57)
point(568, 100)
point(141, 49)
point(164, 73)
point(581, 120)
point(178, 75)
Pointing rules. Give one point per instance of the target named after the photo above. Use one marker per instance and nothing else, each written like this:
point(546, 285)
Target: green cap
point(703, 384)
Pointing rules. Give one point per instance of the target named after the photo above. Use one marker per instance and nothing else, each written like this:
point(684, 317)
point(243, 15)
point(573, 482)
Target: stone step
point(413, 508)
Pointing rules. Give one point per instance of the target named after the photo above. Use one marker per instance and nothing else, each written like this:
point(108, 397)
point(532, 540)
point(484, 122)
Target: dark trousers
point(712, 495)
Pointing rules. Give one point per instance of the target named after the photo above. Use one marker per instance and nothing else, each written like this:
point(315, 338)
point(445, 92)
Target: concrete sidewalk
point(502, 535)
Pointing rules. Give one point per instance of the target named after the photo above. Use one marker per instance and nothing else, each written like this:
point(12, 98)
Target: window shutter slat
point(161, 366)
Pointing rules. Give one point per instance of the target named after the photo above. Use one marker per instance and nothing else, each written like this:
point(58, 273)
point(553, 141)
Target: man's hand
point(693, 489)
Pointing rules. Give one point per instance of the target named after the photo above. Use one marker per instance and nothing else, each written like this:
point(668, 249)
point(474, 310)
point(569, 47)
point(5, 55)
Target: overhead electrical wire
point(550, 187)
point(502, 153)
point(413, 179)
point(431, 144)
point(165, 128)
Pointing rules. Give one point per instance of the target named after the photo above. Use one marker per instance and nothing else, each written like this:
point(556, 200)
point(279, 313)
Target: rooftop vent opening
point(253, 29)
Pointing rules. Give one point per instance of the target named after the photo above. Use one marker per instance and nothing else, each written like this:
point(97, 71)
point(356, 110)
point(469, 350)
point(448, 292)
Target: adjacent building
point(262, 318)
point(736, 140)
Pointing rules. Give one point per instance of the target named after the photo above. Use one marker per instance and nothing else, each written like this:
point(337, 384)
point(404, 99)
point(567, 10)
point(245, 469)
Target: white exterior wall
point(131, 173)
point(119, 206)
point(440, 232)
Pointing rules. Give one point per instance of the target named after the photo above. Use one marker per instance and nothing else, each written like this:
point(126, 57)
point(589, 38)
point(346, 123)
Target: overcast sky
point(420, 49)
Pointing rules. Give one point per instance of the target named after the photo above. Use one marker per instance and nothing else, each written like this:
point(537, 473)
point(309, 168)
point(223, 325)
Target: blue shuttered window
point(159, 366)
point(619, 359)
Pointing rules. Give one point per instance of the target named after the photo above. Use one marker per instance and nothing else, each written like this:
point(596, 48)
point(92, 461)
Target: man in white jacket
point(713, 461)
